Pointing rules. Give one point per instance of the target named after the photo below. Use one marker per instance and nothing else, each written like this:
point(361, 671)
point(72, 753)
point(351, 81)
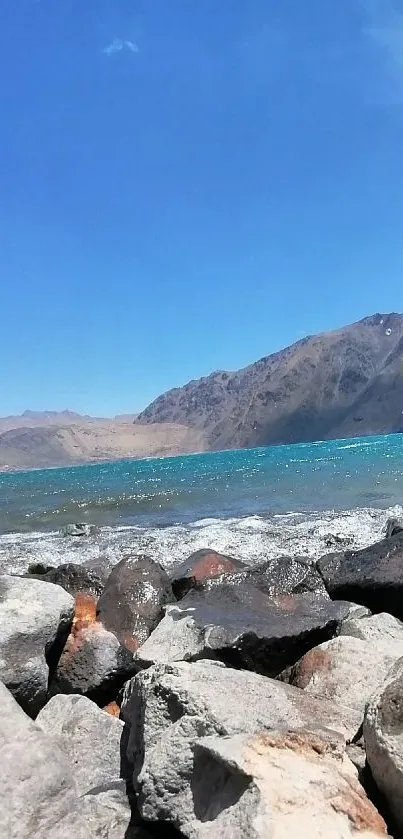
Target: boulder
point(38, 793)
point(34, 621)
point(372, 576)
point(383, 735)
point(284, 575)
point(261, 786)
point(132, 603)
point(201, 566)
point(79, 529)
point(73, 578)
point(93, 662)
point(169, 709)
point(345, 669)
point(89, 737)
point(381, 628)
point(393, 527)
point(243, 627)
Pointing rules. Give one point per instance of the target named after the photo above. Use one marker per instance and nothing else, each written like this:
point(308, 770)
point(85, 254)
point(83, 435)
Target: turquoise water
point(335, 475)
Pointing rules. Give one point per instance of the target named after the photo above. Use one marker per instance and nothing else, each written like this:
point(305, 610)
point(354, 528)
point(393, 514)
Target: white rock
point(345, 669)
point(383, 735)
point(33, 616)
point(38, 794)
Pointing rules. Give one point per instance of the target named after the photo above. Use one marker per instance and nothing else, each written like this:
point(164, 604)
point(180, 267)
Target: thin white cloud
point(384, 29)
point(118, 45)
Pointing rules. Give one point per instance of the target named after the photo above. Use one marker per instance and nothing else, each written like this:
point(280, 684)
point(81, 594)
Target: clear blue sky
point(187, 185)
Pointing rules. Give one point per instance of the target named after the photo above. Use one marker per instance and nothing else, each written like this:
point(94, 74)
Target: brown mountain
point(348, 382)
point(35, 419)
point(53, 445)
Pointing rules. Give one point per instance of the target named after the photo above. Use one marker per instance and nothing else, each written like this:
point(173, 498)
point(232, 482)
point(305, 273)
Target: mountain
point(35, 419)
point(348, 382)
point(53, 445)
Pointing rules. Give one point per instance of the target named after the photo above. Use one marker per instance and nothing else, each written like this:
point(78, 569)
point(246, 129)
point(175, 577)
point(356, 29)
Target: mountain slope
point(342, 383)
point(61, 446)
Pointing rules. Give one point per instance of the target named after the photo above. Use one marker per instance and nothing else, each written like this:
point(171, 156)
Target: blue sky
point(188, 185)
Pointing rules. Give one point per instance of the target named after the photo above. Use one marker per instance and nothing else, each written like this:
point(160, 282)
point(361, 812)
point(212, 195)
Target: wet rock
point(261, 786)
point(132, 603)
point(34, 621)
point(201, 566)
point(169, 709)
point(73, 578)
point(242, 627)
point(393, 527)
point(381, 628)
point(93, 662)
point(285, 575)
point(79, 529)
point(89, 737)
point(345, 669)
point(38, 794)
point(383, 735)
point(372, 576)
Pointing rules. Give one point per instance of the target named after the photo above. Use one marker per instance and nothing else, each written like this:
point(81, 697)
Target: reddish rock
point(202, 566)
point(132, 603)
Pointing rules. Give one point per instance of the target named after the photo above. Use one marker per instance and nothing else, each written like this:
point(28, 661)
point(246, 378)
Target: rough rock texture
point(73, 578)
point(261, 787)
point(132, 602)
point(242, 627)
point(38, 795)
point(93, 662)
point(344, 383)
point(285, 575)
point(201, 566)
point(34, 622)
point(393, 527)
point(383, 734)
point(372, 576)
point(345, 669)
point(171, 708)
point(382, 628)
point(90, 738)
point(78, 530)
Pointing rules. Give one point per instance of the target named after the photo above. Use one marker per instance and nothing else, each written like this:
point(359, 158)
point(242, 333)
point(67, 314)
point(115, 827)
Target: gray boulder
point(345, 669)
point(372, 577)
point(169, 709)
point(393, 527)
point(383, 734)
point(34, 621)
point(90, 738)
point(243, 627)
point(284, 575)
point(132, 602)
point(73, 578)
point(261, 786)
point(38, 793)
point(93, 664)
point(79, 529)
point(382, 628)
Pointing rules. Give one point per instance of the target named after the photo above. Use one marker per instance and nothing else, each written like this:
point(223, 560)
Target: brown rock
point(201, 566)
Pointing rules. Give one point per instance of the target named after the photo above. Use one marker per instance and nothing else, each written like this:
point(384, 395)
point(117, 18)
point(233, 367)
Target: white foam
point(252, 539)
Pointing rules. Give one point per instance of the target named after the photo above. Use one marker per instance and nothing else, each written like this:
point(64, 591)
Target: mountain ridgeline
point(344, 383)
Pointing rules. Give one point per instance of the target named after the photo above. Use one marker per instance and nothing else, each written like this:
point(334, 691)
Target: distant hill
point(53, 445)
point(344, 383)
point(34, 419)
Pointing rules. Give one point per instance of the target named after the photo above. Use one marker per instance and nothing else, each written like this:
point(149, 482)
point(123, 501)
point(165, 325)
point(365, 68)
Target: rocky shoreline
point(217, 700)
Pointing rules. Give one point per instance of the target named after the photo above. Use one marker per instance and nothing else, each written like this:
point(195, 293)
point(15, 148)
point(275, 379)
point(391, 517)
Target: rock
point(89, 737)
point(37, 569)
point(108, 816)
point(262, 786)
point(201, 566)
point(382, 628)
point(383, 735)
point(73, 578)
point(285, 575)
point(34, 621)
point(132, 602)
point(242, 627)
point(79, 529)
point(345, 669)
point(169, 709)
point(38, 794)
point(372, 576)
point(93, 662)
point(393, 527)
